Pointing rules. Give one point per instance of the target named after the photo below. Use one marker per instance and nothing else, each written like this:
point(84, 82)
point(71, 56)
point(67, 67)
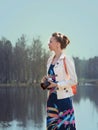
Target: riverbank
point(18, 84)
point(36, 84)
point(88, 82)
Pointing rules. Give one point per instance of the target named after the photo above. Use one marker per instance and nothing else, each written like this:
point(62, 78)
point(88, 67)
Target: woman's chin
point(50, 49)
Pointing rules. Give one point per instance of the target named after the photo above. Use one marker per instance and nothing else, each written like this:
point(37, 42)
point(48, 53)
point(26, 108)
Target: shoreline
point(17, 84)
point(35, 84)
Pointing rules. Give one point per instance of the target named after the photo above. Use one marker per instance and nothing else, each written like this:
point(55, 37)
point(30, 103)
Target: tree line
point(27, 64)
point(22, 63)
point(87, 69)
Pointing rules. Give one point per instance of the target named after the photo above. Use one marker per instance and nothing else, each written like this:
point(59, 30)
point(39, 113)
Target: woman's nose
point(48, 43)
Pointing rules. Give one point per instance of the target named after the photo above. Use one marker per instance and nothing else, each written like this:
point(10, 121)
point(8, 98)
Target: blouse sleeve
point(72, 80)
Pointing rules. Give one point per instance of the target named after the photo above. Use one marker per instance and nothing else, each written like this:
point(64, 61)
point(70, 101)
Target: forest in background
point(27, 64)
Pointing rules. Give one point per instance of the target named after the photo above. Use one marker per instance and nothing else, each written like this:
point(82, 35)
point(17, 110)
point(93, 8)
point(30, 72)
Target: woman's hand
point(52, 85)
point(44, 79)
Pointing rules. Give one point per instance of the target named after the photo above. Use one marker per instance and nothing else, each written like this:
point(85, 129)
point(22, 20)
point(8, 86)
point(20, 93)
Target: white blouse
point(62, 78)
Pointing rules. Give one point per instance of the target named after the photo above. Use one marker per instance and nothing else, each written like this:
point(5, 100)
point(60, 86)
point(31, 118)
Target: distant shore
point(88, 82)
point(82, 82)
point(17, 84)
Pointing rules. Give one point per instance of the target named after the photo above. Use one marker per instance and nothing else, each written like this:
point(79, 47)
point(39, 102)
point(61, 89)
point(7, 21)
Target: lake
point(23, 108)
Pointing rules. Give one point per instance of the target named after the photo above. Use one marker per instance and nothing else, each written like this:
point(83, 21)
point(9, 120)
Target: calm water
point(23, 108)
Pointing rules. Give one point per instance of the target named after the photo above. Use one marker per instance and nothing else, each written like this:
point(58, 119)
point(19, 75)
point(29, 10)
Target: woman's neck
point(56, 57)
point(58, 54)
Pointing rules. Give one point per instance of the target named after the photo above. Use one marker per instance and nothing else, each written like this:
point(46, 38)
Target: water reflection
point(86, 108)
point(23, 108)
point(87, 92)
point(21, 104)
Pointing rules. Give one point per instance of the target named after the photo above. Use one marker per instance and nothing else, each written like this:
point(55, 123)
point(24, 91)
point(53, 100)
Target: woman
point(60, 112)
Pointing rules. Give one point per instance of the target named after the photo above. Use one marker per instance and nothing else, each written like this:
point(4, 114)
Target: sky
point(77, 19)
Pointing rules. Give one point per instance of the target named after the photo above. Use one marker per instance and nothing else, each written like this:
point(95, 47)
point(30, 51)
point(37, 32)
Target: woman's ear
point(58, 45)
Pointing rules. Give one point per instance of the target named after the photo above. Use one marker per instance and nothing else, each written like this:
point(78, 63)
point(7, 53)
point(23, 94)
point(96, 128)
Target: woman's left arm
point(72, 77)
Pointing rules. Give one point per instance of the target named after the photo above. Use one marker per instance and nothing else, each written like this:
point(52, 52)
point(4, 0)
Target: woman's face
point(53, 44)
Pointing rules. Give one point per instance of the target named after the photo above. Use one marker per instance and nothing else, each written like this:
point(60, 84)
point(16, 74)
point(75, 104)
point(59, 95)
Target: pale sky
point(77, 19)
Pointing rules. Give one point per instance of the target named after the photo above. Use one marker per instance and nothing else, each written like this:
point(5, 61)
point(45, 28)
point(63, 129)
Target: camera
point(45, 84)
